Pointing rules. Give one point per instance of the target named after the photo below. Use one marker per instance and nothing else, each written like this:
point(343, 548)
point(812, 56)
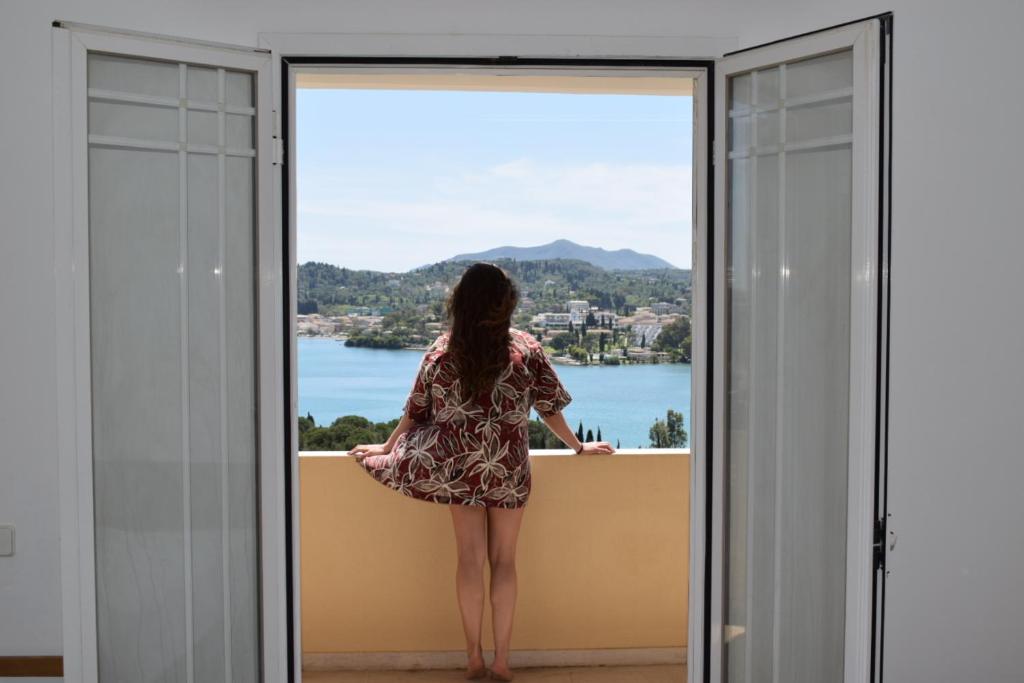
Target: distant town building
point(315, 324)
point(360, 311)
point(643, 315)
point(644, 334)
point(647, 356)
point(605, 318)
point(663, 308)
point(554, 321)
point(578, 310)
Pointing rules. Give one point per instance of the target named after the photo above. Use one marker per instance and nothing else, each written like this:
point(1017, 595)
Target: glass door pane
point(173, 322)
point(788, 249)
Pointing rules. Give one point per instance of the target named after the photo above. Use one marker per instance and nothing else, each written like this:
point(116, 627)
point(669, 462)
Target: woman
point(463, 441)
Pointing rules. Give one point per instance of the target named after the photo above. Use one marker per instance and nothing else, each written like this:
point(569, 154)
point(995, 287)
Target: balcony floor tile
point(570, 674)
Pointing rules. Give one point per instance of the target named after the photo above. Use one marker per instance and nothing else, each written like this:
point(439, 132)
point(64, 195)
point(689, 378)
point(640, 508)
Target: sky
point(390, 180)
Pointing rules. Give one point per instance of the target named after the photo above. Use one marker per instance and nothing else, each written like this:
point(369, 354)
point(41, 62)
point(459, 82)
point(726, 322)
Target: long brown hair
point(480, 311)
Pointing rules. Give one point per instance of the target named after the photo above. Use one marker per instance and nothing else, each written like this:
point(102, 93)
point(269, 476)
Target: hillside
point(545, 286)
point(621, 259)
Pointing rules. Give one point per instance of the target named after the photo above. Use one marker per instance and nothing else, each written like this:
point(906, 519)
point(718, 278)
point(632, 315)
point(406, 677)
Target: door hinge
point(878, 544)
point(277, 148)
point(278, 152)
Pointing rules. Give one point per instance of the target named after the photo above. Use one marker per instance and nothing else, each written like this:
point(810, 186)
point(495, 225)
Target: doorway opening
point(582, 179)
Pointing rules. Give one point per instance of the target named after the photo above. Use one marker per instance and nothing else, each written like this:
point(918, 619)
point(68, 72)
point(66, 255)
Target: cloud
point(645, 207)
point(625, 193)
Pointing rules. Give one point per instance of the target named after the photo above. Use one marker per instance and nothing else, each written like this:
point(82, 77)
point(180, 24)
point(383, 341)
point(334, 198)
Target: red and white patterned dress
point(473, 452)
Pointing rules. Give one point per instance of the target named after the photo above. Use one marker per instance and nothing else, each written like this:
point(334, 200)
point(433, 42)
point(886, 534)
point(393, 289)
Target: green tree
point(579, 353)
point(669, 433)
point(599, 432)
point(306, 423)
point(542, 437)
point(562, 341)
point(579, 431)
point(676, 339)
point(590, 342)
point(590, 435)
point(344, 433)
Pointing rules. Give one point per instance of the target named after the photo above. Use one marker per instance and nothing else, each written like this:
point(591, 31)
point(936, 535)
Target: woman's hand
point(364, 450)
point(596, 448)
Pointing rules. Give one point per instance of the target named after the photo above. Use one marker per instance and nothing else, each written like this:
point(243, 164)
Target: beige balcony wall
point(603, 558)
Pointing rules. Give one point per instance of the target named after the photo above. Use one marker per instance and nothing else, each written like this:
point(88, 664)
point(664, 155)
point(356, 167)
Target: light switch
point(6, 540)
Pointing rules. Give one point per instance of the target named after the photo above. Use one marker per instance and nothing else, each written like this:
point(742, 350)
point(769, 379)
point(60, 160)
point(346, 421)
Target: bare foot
point(500, 672)
point(475, 668)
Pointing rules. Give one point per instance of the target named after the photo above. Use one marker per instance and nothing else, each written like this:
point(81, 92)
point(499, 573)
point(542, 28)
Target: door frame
point(868, 38)
point(279, 502)
point(294, 52)
point(70, 46)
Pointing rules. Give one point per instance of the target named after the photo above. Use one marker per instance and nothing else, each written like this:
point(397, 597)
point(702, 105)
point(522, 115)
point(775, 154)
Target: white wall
point(957, 422)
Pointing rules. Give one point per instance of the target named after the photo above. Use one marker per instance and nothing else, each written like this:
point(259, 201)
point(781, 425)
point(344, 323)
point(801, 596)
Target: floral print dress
point(473, 452)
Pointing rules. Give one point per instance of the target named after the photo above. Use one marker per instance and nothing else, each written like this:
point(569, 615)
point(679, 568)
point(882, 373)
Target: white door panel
point(796, 182)
point(179, 454)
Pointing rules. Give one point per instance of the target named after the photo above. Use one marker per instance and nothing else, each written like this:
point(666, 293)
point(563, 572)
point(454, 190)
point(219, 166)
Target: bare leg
point(471, 543)
point(502, 536)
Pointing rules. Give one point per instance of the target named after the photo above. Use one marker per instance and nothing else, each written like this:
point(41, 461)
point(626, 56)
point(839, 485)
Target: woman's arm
point(557, 424)
point(363, 450)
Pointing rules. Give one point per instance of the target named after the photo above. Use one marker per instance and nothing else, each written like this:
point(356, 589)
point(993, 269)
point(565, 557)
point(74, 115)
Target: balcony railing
point(602, 561)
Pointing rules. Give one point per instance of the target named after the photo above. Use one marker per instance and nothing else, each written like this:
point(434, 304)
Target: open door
point(797, 453)
point(171, 370)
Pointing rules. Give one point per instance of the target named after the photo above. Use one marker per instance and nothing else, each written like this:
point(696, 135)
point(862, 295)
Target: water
point(624, 400)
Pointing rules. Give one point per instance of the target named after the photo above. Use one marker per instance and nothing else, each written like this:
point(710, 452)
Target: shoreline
point(559, 360)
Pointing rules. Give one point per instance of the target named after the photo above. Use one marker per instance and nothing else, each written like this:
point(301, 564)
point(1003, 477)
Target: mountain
point(622, 259)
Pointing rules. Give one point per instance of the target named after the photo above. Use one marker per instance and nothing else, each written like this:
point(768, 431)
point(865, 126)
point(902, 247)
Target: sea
point(622, 401)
